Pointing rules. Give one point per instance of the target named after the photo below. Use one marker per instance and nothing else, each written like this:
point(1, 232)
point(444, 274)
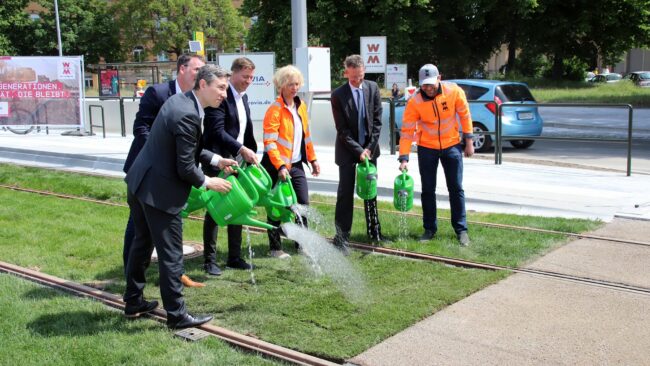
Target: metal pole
point(629, 141)
point(298, 26)
point(299, 40)
point(391, 126)
point(122, 121)
point(58, 27)
point(498, 136)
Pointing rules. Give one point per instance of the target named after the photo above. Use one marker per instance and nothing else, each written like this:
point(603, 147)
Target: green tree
point(14, 26)
point(271, 31)
point(460, 36)
point(87, 29)
point(511, 24)
point(457, 36)
point(168, 25)
point(580, 31)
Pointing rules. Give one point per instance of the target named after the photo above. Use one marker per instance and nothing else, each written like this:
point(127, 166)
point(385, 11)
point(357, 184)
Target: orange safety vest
point(433, 123)
point(278, 133)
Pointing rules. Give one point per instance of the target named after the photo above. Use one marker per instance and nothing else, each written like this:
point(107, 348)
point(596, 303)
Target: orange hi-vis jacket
point(278, 133)
point(432, 123)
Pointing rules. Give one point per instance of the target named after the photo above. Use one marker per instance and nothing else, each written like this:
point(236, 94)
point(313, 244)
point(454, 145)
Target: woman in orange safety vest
point(287, 143)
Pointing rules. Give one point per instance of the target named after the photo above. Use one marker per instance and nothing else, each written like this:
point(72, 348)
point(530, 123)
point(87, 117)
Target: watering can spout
point(248, 220)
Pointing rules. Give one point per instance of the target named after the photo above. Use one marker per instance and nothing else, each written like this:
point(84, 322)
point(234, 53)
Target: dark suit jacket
point(221, 128)
point(167, 167)
point(150, 103)
point(347, 149)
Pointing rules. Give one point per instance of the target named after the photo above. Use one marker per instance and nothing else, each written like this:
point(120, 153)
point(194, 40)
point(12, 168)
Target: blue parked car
point(521, 120)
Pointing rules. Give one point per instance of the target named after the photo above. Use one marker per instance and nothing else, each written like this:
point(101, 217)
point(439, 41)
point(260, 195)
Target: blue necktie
point(362, 113)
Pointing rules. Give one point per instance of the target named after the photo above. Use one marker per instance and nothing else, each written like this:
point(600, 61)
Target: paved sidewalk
point(529, 320)
point(518, 188)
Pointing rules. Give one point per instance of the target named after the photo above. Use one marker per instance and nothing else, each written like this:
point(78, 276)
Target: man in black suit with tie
point(356, 107)
point(159, 183)
point(187, 66)
point(228, 131)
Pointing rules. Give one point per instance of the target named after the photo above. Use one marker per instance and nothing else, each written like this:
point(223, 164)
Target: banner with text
point(109, 83)
point(261, 93)
point(396, 74)
point(41, 91)
point(373, 52)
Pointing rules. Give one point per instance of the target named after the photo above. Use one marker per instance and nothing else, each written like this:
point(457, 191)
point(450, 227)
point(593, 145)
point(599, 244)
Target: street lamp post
point(58, 27)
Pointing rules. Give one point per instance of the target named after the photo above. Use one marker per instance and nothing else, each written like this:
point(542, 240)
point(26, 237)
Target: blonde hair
point(285, 75)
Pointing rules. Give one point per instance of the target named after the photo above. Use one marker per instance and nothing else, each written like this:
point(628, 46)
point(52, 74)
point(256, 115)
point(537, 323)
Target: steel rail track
point(494, 267)
point(482, 223)
point(431, 257)
point(114, 301)
point(514, 227)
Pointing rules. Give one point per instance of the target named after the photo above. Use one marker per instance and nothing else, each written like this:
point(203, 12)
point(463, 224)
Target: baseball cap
point(428, 74)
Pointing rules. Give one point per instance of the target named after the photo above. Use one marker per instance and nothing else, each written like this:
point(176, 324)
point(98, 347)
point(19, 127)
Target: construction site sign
point(41, 91)
point(373, 52)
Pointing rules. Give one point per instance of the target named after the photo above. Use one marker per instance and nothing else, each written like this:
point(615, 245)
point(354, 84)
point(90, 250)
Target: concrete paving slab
point(602, 260)
point(517, 188)
point(526, 320)
point(638, 230)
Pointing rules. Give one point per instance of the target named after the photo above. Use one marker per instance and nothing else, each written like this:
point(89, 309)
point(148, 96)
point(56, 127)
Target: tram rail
point(411, 214)
point(431, 257)
point(114, 301)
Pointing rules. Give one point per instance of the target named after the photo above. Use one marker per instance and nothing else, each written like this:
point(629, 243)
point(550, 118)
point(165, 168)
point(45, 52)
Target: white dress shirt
point(241, 112)
point(297, 135)
point(216, 158)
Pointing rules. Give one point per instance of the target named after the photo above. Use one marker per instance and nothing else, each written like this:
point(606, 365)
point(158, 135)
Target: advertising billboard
point(41, 91)
point(373, 52)
point(396, 74)
point(261, 93)
point(109, 83)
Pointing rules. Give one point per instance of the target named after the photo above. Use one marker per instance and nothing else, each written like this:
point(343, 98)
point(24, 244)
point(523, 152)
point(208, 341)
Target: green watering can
point(367, 180)
point(236, 206)
point(403, 192)
point(244, 180)
point(194, 202)
point(261, 181)
point(279, 201)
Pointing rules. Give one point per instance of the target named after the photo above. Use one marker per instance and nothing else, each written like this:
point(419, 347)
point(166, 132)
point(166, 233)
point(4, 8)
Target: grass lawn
point(289, 305)
point(42, 326)
point(581, 92)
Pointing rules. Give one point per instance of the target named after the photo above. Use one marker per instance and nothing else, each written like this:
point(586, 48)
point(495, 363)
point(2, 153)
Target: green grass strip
point(43, 326)
point(289, 305)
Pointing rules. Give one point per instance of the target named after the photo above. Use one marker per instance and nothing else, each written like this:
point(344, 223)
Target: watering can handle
point(367, 162)
point(233, 167)
point(244, 176)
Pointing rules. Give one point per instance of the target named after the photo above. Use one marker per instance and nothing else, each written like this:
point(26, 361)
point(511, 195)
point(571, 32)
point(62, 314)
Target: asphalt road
point(587, 154)
point(596, 123)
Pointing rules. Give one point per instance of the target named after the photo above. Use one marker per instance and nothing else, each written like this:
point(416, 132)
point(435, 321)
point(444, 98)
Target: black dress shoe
point(343, 247)
point(379, 239)
point(239, 263)
point(134, 310)
point(426, 236)
point(187, 321)
point(212, 269)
